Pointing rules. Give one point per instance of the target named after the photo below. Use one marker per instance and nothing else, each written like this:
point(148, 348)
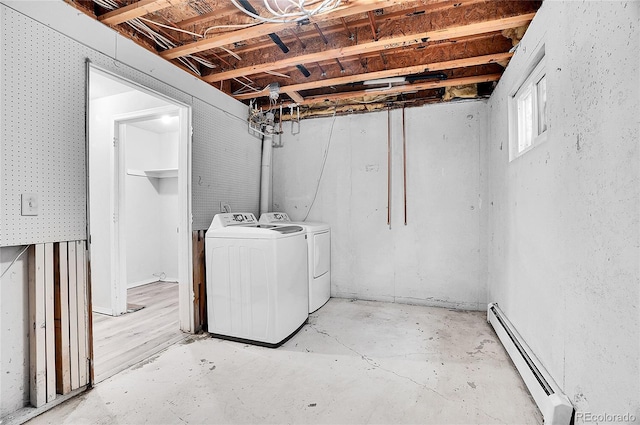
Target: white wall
point(564, 231)
point(151, 207)
point(437, 259)
point(225, 161)
point(101, 186)
point(14, 319)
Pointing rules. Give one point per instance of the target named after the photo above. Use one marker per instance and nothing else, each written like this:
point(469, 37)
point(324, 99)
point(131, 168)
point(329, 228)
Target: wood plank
point(219, 13)
point(354, 7)
point(381, 45)
point(293, 94)
point(50, 333)
point(437, 66)
point(82, 313)
point(63, 361)
point(73, 314)
point(37, 334)
point(403, 89)
point(196, 281)
point(353, 25)
point(89, 321)
point(199, 287)
point(135, 10)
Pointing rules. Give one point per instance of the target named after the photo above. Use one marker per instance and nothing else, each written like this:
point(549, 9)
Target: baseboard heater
point(554, 405)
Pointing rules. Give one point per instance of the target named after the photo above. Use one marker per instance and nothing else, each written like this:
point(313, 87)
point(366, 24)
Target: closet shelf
point(159, 174)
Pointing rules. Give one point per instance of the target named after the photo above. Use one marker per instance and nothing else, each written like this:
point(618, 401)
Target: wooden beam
point(361, 23)
point(381, 45)
point(397, 72)
point(403, 89)
point(219, 13)
point(135, 10)
point(352, 8)
point(295, 96)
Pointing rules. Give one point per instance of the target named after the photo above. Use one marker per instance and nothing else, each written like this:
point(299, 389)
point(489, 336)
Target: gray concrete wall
point(437, 259)
point(563, 229)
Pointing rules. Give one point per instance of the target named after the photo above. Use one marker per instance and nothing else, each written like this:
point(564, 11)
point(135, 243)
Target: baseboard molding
point(151, 280)
point(102, 310)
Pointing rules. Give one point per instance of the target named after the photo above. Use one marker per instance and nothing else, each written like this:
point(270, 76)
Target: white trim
point(185, 267)
point(535, 71)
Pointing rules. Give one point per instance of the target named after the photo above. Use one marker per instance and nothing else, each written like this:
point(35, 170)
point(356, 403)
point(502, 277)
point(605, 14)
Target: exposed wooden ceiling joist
point(402, 89)
point(429, 67)
point(381, 45)
point(135, 10)
point(323, 61)
point(351, 8)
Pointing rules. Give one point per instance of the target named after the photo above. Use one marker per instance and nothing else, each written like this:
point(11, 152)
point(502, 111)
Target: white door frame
point(185, 263)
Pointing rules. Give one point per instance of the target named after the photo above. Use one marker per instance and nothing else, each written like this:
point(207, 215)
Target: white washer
point(318, 254)
point(257, 287)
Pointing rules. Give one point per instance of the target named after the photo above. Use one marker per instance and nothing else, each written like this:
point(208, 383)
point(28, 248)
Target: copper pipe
point(304, 46)
point(404, 164)
point(389, 167)
point(346, 27)
point(372, 24)
point(321, 34)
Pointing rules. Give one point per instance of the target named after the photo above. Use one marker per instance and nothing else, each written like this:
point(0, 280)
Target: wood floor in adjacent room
point(122, 341)
point(355, 362)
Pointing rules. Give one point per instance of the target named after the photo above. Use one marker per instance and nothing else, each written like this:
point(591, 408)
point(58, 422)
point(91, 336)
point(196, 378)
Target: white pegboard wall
point(43, 142)
point(226, 164)
point(43, 146)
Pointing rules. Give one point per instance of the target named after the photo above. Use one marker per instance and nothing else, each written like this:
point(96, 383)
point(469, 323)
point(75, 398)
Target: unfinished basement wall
point(437, 258)
point(43, 143)
point(563, 230)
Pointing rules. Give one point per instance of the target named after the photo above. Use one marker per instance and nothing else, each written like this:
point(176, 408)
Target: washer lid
point(287, 229)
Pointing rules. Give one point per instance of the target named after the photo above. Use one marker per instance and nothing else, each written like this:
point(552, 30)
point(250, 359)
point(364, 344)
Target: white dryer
point(257, 287)
point(318, 254)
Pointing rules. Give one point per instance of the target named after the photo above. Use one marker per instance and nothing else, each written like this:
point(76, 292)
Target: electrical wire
point(324, 162)
point(296, 11)
point(14, 261)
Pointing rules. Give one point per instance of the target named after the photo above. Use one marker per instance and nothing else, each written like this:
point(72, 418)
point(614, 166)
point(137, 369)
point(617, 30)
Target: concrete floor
point(355, 362)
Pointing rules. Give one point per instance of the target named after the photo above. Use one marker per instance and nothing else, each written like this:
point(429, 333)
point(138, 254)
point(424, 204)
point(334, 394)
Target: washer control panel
point(233, 219)
point(274, 217)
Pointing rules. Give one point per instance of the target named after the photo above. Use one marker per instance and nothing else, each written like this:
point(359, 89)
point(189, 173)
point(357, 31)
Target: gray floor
point(355, 362)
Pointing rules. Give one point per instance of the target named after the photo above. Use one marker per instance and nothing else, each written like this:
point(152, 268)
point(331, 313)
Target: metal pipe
point(389, 167)
point(404, 165)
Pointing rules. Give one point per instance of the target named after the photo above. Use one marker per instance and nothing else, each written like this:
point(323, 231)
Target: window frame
point(529, 85)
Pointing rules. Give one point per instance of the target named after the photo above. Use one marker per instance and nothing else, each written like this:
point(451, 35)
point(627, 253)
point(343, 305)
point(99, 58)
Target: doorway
point(139, 221)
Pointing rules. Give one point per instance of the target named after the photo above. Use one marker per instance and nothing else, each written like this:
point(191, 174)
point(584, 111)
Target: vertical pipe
point(265, 178)
point(404, 165)
point(389, 167)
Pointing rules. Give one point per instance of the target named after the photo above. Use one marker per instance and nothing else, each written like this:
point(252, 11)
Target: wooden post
point(199, 286)
point(73, 314)
point(63, 362)
point(37, 334)
point(49, 310)
point(82, 313)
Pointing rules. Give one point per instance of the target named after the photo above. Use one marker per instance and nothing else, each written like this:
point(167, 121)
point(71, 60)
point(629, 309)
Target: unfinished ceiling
point(352, 55)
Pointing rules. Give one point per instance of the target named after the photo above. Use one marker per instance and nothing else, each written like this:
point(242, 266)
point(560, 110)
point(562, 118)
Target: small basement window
point(528, 116)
